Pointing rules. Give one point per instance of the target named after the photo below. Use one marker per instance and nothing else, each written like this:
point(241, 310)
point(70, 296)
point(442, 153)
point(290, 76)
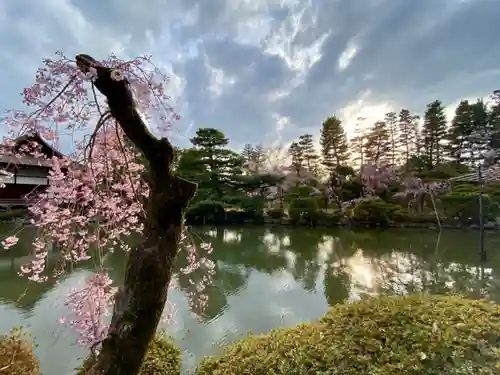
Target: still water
point(265, 278)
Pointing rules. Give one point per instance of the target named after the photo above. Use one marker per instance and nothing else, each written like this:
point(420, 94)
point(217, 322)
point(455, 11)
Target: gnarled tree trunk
point(140, 301)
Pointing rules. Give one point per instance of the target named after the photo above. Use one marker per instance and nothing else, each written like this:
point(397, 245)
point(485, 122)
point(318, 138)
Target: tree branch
point(123, 109)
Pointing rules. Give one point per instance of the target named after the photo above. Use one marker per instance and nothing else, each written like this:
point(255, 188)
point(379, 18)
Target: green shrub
point(465, 206)
point(329, 217)
point(383, 336)
point(16, 354)
point(304, 209)
point(206, 212)
point(163, 358)
point(276, 213)
point(374, 212)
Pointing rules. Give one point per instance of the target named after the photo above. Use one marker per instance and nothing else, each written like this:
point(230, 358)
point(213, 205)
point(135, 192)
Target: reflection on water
point(265, 278)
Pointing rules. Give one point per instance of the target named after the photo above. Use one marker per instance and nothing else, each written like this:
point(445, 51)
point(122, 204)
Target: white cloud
point(346, 57)
point(219, 81)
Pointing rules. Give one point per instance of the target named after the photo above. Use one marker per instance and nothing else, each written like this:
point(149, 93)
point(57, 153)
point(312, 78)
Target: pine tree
point(406, 135)
point(358, 143)
point(415, 135)
point(434, 133)
point(333, 141)
point(481, 131)
point(247, 152)
point(378, 144)
point(259, 156)
point(297, 156)
point(459, 132)
point(309, 153)
point(254, 156)
point(391, 120)
point(215, 164)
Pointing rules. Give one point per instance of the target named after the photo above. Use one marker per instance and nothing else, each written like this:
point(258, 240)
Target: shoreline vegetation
point(323, 219)
point(416, 334)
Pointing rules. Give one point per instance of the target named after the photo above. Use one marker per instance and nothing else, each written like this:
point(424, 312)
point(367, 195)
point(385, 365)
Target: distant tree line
point(304, 181)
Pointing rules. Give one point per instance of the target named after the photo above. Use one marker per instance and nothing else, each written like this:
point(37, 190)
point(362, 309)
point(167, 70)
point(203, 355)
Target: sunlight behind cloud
point(370, 112)
point(346, 57)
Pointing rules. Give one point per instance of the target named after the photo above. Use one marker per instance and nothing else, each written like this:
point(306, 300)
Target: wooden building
point(27, 174)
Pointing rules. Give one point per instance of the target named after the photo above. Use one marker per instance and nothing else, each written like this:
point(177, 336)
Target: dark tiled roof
point(25, 160)
point(8, 158)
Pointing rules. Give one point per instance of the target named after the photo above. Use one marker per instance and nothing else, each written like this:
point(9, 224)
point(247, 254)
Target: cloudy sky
point(270, 70)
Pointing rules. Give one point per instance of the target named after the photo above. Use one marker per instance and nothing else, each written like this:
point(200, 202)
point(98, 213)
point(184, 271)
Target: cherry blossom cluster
point(95, 196)
point(376, 177)
point(89, 306)
point(200, 270)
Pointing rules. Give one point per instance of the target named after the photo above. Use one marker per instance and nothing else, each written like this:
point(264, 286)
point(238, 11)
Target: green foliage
point(465, 206)
point(432, 151)
point(299, 191)
point(205, 212)
point(276, 213)
point(443, 172)
point(162, 358)
point(433, 132)
point(333, 141)
point(384, 336)
point(378, 145)
point(16, 354)
point(211, 164)
point(374, 212)
point(330, 217)
point(304, 209)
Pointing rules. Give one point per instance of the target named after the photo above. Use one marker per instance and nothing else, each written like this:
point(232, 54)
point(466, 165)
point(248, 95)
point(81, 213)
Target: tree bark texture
point(140, 301)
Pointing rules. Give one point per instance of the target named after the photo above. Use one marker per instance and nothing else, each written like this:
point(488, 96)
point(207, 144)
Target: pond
point(265, 278)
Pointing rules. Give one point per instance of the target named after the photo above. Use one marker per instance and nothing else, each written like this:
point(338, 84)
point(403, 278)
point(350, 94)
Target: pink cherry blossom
point(96, 194)
point(9, 242)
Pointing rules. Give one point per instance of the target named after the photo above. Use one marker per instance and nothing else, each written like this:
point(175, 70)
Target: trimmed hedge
point(425, 335)
point(163, 358)
point(382, 336)
point(16, 354)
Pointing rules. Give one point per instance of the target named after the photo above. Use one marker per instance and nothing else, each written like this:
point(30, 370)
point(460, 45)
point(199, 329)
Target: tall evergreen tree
point(378, 144)
point(481, 131)
point(297, 155)
point(259, 157)
point(459, 133)
point(254, 157)
point(333, 141)
point(214, 165)
point(391, 120)
point(358, 143)
point(247, 153)
point(309, 153)
point(408, 134)
point(434, 133)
